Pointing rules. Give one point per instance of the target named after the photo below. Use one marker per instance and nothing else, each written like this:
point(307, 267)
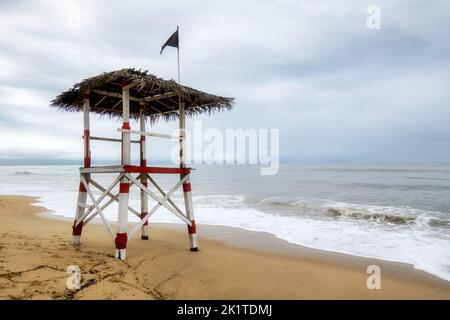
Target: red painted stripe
point(125, 125)
point(141, 152)
point(162, 170)
point(124, 187)
point(81, 188)
point(121, 240)
point(87, 148)
point(186, 187)
point(76, 231)
point(192, 229)
point(86, 96)
point(87, 162)
point(143, 215)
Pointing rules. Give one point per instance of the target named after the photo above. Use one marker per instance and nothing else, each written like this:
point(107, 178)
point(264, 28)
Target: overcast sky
point(336, 90)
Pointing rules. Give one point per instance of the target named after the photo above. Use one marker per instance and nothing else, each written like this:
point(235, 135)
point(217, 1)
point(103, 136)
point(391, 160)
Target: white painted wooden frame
point(103, 195)
point(161, 202)
point(152, 134)
point(95, 203)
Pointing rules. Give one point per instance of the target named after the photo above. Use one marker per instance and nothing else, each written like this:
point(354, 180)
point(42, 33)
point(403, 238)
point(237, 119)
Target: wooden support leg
point(122, 223)
point(143, 177)
point(144, 208)
point(76, 230)
point(82, 192)
point(192, 230)
point(124, 188)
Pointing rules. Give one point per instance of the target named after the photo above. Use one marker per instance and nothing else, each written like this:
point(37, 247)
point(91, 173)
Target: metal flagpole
point(178, 53)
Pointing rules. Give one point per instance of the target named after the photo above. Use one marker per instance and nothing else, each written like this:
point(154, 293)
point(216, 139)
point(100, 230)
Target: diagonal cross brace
point(114, 197)
point(164, 194)
point(161, 202)
point(95, 204)
point(103, 207)
point(100, 198)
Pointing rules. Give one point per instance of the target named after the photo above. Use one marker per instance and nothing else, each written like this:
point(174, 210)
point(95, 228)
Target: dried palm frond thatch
point(159, 97)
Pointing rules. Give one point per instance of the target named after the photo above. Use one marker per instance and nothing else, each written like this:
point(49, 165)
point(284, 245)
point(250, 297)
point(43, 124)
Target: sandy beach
point(35, 252)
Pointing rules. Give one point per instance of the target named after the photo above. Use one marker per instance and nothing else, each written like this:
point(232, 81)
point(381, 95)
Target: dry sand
point(35, 252)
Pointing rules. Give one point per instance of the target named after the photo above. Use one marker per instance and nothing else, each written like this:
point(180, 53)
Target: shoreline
point(266, 242)
point(262, 241)
point(230, 263)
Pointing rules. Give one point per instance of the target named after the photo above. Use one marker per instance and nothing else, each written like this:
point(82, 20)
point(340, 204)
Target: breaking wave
point(387, 217)
point(348, 217)
point(395, 215)
point(23, 173)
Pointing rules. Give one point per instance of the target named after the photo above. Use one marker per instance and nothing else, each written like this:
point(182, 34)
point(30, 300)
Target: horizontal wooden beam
point(161, 170)
point(146, 99)
point(110, 139)
point(152, 134)
point(102, 169)
point(135, 169)
point(160, 96)
point(160, 112)
point(112, 94)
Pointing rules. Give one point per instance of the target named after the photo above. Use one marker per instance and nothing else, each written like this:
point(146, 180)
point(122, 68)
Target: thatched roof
point(160, 97)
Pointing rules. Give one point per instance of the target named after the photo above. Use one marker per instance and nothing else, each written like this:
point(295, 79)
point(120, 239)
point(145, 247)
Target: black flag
point(171, 42)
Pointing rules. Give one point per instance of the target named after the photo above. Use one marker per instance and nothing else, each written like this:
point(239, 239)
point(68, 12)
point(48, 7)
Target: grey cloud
point(336, 90)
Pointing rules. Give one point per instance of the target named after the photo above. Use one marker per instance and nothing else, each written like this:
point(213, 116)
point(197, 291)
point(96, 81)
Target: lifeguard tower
point(134, 94)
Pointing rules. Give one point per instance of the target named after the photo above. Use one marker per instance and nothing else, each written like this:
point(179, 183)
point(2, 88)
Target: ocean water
point(395, 213)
